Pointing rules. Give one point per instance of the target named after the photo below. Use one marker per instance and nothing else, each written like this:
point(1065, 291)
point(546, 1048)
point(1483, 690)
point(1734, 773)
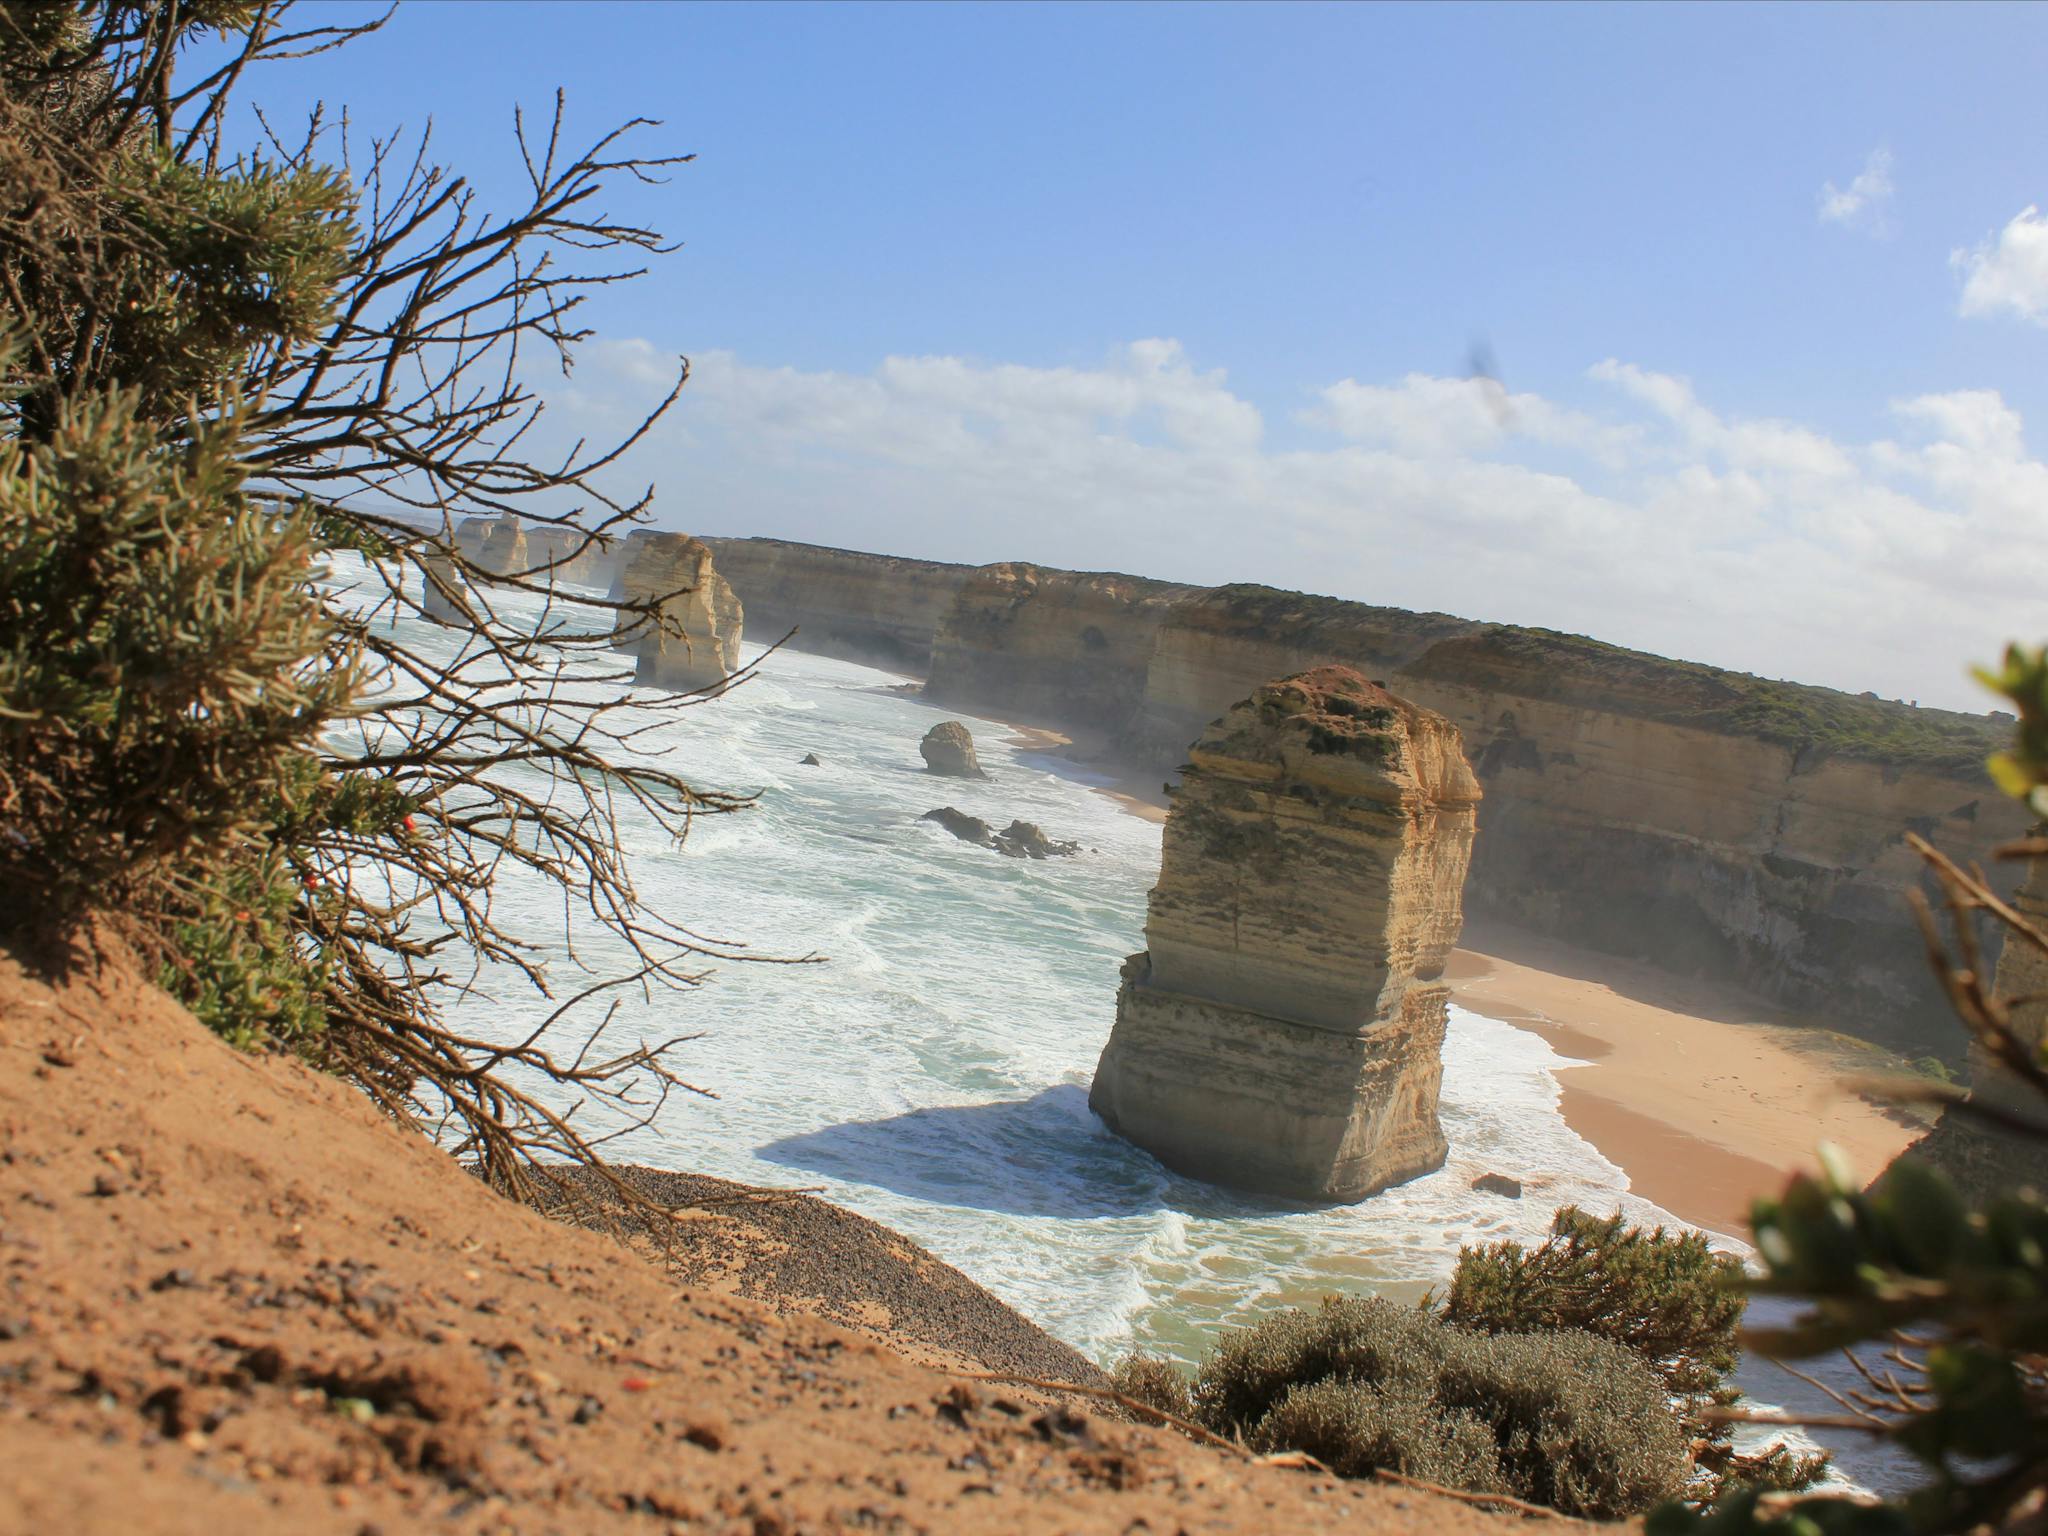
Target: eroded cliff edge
point(1702, 820)
point(875, 609)
point(1283, 1031)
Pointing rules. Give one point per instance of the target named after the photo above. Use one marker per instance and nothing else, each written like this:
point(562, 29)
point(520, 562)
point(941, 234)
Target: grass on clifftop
point(1573, 669)
point(1578, 670)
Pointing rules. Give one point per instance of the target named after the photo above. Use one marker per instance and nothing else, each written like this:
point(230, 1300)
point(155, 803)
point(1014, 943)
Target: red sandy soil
point(232, 1298)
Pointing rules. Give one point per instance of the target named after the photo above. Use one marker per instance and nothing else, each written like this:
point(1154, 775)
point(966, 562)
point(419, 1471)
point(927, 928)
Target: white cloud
point(2008, 271)
point(1429, 417)
point(1866, 203)
point(1654, 520)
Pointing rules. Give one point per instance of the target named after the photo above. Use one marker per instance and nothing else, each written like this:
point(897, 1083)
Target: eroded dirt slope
point(234, 1299)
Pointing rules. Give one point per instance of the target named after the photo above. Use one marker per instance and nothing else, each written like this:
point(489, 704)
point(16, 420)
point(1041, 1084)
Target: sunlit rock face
point(697, 643)
point(876, 609)
point(1283, 1030)
point(494, 544)
point(1700, 820)
point(570, 554)
point(1047, 645)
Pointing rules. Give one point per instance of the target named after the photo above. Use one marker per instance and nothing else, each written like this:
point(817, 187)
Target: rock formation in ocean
point(441, 600)
point(948, 749)
point(696, 644)
point(1019, 840)
point(496, 545)
point(809, 760)
point(572, 555)
point(1283, 1029)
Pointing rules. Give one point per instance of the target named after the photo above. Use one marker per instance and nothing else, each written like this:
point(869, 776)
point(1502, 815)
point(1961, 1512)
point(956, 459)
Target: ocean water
point(932, 1070)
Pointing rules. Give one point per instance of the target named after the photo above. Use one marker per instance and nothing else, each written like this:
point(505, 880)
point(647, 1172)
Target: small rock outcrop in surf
point(1283, 1032)
point(948, 749)
point(1019, 840)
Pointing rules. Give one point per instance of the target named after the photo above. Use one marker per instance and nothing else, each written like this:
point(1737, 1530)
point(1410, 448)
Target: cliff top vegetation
point(1573, 669)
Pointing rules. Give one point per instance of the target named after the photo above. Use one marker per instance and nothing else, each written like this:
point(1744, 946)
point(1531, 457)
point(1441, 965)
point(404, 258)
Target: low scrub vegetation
point(1582, 1373)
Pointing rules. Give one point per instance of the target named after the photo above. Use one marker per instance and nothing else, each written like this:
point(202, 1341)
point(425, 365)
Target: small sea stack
point(948, 749)
point(696, 644)
point(442, 599)
point(1283, 1031)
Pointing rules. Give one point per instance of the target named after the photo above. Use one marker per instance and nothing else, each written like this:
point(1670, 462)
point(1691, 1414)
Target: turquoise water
point(932, 1071)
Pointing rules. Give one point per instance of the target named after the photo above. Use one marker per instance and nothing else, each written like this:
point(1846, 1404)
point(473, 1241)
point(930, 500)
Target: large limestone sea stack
point(697, 645)
point(1283, 1031)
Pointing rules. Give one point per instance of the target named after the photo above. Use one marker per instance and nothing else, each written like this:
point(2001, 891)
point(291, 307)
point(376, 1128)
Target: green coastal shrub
point(1578, 1372)
point(164, 672)
point(1354, 1427)
point(1558, 1418)
point(1154, 1382)
point(1664, 1294)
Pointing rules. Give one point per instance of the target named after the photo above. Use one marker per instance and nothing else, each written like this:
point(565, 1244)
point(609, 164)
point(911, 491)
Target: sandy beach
point(1699, 1094)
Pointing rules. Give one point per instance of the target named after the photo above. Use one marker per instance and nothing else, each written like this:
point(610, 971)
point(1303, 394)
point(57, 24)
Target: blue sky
point(1193, 291)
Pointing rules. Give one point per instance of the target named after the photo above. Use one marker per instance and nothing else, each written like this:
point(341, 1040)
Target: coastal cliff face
point(1283, 1030)
point(697, 644)
point(494, 544)
point(1065, 646)
point(1700, 820)
point(504, 546)
point(873, 609)
point(1223, 642)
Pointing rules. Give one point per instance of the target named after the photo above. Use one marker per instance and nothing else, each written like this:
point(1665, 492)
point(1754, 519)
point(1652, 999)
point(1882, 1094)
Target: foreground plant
point(225, 363)
point(1666, 1296)
point(1581, 1372)
point(1940, 1305)
point(1560, 1419)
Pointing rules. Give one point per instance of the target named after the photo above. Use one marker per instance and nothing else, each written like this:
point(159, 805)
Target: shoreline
point(1704, 1097)
point(1145, 801)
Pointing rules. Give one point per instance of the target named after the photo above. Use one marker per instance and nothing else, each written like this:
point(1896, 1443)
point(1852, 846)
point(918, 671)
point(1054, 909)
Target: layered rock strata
point(694, 641)
point(572, 555)
point(1283, 1029)
point(1701, 820)
point(496, 545)
point(1058, 645)
point(948, 749)
point(875, 609)
point(441, 599)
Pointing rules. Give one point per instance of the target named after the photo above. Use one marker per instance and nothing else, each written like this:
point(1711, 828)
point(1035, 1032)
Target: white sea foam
point(933, 1074)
